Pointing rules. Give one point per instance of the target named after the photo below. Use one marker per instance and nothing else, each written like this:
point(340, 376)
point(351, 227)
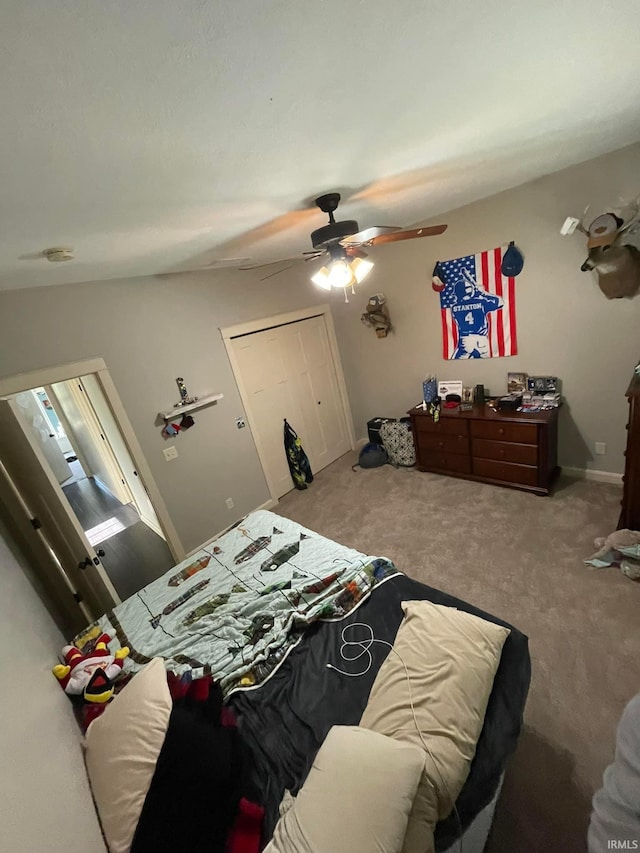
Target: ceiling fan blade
point(267, 264)
point(354, 252)
point(369, 234)
point(315, 254)
point(277, 272)
point(410, 234)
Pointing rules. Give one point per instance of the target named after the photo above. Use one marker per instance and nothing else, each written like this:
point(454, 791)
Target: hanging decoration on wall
point(478, 303)
point(377, 315)
point(612, 245)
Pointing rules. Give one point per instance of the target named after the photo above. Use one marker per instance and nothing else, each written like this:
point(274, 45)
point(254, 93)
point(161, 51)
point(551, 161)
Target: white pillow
point(451, 658)
point(357, 796)
point(122, 748)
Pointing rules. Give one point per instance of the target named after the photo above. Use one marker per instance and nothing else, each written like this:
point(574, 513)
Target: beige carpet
point(519, 557)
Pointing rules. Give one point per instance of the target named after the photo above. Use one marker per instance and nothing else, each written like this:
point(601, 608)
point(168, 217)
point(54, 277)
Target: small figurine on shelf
point(185, 399)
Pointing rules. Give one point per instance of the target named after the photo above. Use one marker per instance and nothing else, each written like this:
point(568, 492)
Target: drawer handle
point(441, 444)
point(500, 431)
point(501, 452)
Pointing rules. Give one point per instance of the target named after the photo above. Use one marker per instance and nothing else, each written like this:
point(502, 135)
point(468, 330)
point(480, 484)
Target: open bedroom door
point(34, 481)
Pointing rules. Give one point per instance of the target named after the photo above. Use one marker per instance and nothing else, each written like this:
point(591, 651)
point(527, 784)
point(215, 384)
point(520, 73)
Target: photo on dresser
point(516, 383)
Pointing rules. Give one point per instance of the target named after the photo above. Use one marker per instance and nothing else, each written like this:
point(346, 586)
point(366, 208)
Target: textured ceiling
point(157, 135)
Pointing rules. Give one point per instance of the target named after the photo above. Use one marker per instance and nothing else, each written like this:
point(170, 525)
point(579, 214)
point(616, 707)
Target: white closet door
point(313, 373)
point(288, 372)
point(272, 399)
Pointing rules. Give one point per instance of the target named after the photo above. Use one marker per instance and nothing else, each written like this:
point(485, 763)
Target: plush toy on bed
point(90, 675)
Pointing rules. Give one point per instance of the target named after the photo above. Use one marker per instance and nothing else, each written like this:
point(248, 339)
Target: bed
point(262, 610)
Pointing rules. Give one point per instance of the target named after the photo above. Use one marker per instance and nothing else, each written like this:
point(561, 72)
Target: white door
point(91, 445)
point(288, 372)
point(32, 419)
point(273, 398)
point(111, 430)
point(28, 469)
point(68, 611)
point(56, 427)
point(313, 372)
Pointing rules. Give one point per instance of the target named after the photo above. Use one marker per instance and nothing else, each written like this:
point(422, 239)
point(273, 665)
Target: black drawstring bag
point(296, 457)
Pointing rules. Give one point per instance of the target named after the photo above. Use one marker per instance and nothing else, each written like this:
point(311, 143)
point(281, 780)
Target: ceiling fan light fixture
point(340, 274)
point(321, 278)
point(361, 268)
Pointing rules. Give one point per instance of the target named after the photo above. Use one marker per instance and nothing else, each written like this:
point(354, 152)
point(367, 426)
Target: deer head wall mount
point(611, 250)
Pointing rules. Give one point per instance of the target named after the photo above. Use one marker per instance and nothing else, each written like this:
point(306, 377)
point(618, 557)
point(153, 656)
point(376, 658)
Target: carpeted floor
point(519, 557)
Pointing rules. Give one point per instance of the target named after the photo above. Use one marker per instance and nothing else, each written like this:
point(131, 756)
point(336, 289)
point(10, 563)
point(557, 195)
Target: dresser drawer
point(525, 475)
point(524, 454)
point(445, 461)
point(449, 426)
point(496, 431)
point(443, 442)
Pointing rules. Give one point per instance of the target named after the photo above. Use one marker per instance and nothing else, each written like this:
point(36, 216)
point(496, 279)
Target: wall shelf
point(200, 403)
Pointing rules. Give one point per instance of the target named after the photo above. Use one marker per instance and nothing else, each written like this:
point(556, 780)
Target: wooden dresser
point(630, 515)
point(508, 449)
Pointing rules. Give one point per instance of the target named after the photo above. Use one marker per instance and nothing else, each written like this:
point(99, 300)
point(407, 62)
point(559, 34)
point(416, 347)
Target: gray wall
point(150, 330)
point(45, 802)
point(566, 327)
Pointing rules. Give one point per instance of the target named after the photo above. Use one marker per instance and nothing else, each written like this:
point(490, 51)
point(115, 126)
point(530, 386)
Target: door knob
point(100, 552)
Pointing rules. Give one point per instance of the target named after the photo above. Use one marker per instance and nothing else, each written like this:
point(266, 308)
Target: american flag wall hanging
point(477, 306)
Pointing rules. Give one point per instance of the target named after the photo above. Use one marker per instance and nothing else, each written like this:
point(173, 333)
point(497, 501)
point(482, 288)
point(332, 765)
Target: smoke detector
point(58, 254)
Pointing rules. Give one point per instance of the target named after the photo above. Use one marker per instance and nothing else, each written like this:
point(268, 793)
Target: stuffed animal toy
point(620, 548)
point(90, 675)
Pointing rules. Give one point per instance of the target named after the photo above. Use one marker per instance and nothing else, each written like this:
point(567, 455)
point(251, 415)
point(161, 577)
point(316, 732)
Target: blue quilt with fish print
point(235, 608)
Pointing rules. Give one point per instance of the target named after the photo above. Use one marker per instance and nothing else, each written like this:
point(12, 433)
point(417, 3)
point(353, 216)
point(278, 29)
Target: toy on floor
point(90, 675)
point(620, 548)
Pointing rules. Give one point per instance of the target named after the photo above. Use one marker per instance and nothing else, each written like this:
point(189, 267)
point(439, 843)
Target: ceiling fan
point(342, 244)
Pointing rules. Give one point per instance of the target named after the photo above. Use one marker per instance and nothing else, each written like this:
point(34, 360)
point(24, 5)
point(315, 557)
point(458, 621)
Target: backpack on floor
point(371, 456)
point(397, 439)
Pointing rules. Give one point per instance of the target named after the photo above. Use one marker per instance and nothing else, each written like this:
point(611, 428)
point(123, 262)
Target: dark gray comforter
point(283, 724)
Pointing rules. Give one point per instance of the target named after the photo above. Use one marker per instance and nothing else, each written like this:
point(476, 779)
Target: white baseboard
point(266, 505)
point(592, 474)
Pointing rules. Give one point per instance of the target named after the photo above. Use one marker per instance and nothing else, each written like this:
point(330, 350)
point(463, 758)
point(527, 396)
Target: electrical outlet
point(601, 448)
point(241, 423)
point(170, 453)
point(229, 503)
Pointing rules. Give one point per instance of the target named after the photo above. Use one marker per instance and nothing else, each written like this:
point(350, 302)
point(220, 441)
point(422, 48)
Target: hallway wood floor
point(133, 557)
